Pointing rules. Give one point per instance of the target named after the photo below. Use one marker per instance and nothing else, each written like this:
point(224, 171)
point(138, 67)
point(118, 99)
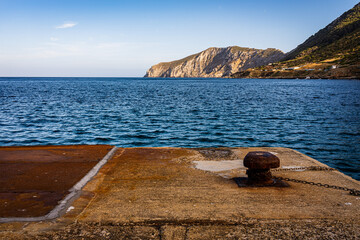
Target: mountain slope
point(216, 62)
point(333, 52)
point(340, 39)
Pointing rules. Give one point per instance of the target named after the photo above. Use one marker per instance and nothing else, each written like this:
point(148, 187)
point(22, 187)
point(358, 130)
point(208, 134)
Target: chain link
point(353, 192)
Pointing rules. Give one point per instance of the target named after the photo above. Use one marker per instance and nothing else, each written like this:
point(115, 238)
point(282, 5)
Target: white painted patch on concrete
point(218, 166)
point(69, 209)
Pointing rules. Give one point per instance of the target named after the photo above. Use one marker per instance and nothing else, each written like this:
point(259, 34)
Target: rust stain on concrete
point(34, 179)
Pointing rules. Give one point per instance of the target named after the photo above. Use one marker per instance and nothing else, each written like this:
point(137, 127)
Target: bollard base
point(243, 182)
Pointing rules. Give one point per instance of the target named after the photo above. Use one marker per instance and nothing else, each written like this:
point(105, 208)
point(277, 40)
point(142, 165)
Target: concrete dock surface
point(170, 193)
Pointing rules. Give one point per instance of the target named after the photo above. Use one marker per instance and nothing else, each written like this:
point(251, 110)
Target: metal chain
point(353, 192)
point(310, 168)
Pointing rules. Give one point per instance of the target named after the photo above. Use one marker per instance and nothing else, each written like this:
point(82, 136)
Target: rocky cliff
point(216, 62)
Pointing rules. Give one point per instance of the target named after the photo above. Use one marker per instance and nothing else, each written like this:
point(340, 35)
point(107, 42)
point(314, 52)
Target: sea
point(320, 118)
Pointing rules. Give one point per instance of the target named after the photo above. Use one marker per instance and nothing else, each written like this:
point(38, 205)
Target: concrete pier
point(171, 193)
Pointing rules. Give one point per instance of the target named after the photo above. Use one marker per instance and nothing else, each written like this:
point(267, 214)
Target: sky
point(123, 38)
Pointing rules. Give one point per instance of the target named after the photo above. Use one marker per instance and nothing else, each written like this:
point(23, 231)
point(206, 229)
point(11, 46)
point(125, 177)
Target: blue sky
point(124, 38)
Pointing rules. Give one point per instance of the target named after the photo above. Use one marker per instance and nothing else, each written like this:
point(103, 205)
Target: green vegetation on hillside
point(235, 49)
point(177, 62)
point(333, 52)
point(340, 39)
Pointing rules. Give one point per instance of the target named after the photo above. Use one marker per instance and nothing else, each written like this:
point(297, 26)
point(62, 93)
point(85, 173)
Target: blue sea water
point(320, 118)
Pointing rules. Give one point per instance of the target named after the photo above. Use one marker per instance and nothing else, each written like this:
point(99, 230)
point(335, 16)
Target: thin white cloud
point(67, 25)
point(54, 39)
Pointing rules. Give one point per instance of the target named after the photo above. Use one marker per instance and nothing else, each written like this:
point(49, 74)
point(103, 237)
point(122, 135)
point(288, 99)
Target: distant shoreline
point(184, 78)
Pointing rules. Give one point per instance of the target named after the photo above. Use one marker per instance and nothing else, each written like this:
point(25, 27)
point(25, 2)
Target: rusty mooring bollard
point(259, 164)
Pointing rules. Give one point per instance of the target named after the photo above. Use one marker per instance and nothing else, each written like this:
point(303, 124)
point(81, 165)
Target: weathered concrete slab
point(173, 193)
point(34, 179)
point(163, 184)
